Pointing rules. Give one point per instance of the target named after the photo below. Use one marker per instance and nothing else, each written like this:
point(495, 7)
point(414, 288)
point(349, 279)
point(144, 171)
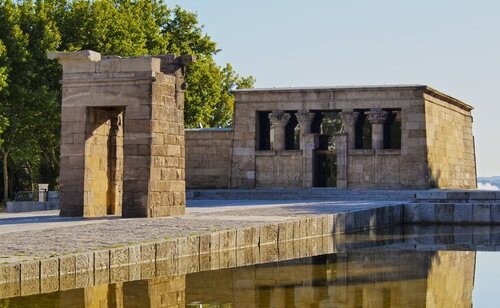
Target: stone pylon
point(122, 135)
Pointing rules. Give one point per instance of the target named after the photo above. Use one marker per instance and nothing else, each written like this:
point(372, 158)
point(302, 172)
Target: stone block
point(410, 212)
point(49, 284)
point(227, 258)
point(481, 235)
point(148, 270)
point(462, 235)
point(268, 253)
point(495, 213)
point(444, 212)
point(189, 246)
point(10, 273)
point(167, 250)
point(101, 276)
point(134, 272)
point(148, 253)
point(118, 274)
point(247, 256)
point(84, 279)
point(215, 242)
point(118, 257)
point(101, 260)
point(299, 229)
point(362, 219)
point(84, 262)
point(481, 213)
point(227, 239)
point(49, 268)
point(462, 213)
point(67, 265)
point(133, 64)
point(247, 237)
point(30, 271)
point(67, 281)
point(427, 212)
point(205, 262)
point(167, 267)
point(327, 224)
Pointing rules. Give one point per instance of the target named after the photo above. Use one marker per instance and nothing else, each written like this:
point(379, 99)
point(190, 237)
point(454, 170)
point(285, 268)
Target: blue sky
point(453, 46)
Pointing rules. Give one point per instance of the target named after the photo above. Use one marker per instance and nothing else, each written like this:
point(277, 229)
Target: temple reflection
point(362, 278)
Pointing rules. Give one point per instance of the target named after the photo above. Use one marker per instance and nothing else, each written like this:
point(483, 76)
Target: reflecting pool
point(409, 267)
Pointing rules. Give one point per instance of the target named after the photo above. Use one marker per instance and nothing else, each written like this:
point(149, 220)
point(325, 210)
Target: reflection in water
point(363, 278)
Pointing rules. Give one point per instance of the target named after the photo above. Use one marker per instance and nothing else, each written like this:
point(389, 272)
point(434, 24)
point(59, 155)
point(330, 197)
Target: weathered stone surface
point(122, 156)
point(436, 149)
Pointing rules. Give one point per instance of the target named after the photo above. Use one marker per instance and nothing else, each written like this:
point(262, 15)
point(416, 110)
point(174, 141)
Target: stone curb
point(228, 248)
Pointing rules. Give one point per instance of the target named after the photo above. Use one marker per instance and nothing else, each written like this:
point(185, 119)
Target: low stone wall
point(31, 206)
point(208, 158)
point(283, 169)
point(453, 213)
point(263, 243)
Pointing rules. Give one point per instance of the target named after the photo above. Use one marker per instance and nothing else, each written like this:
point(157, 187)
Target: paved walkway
point(24, 236)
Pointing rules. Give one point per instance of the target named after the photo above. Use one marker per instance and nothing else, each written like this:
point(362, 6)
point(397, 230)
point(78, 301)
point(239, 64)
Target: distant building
point(405, 136)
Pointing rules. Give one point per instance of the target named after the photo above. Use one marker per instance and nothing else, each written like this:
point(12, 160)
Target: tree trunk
point(5, 156)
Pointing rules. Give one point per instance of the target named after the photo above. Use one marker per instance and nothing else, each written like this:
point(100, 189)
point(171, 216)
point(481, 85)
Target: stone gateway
point(347, 137)
point(122, 135)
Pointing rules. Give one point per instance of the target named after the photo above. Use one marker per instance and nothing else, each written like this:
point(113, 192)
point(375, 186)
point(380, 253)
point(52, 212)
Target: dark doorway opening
point(327, 124)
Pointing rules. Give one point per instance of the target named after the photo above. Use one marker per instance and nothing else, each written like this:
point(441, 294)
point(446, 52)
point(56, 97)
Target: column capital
point(349, 117)
point(279, 118)
point(304, 118)
point(377, 116)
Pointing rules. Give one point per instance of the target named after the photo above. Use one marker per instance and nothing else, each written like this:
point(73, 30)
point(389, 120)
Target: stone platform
point(42, 252)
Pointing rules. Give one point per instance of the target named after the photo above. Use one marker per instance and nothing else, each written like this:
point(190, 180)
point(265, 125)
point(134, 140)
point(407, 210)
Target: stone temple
point(408, 136)
point(124, 149)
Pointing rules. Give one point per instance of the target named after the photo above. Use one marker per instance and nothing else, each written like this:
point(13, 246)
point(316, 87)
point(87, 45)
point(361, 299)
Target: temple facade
point(410, 136)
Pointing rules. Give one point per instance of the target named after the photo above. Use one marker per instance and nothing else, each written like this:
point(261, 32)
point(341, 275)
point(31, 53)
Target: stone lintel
point(77, 61)
point(377, 116)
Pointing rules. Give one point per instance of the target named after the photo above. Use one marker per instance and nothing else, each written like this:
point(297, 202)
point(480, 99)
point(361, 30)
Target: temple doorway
point(327, 125)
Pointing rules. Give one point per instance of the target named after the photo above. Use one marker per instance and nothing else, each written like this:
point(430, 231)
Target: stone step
point(302, 194)
point(433, 195)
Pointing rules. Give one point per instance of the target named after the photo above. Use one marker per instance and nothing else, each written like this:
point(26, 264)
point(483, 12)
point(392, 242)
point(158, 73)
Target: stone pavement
point(28, 236)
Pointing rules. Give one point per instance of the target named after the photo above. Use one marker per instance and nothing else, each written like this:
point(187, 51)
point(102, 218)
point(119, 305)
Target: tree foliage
point(29, 88)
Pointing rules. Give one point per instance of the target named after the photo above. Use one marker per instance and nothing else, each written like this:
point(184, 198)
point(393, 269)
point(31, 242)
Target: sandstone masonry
point(122, 143)
point(347, 137)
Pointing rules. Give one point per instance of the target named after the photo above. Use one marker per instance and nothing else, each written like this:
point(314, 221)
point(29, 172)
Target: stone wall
point(278, 170)
point(450, 144)
point(103, 162)
point(208, 158)
point(375, 168)
point(167, 190)
point(436, 148)
point(116, 107)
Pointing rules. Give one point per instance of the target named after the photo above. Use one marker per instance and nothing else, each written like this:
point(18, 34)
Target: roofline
point(427, 89)
point(450, 99)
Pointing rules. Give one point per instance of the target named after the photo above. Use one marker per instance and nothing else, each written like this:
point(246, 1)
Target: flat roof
point(429, 90)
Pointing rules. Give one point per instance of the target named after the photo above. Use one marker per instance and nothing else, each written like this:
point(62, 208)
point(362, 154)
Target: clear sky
point(451, 45)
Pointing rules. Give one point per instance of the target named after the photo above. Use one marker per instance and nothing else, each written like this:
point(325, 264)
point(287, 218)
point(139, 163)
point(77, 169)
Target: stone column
point(341, 148)
point(377, 118)
point(349, 119)
point(307, 145)
point(305, 119)
point(278, 119)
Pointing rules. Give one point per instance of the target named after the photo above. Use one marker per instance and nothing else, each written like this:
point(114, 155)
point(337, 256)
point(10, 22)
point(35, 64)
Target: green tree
point(30, 99)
